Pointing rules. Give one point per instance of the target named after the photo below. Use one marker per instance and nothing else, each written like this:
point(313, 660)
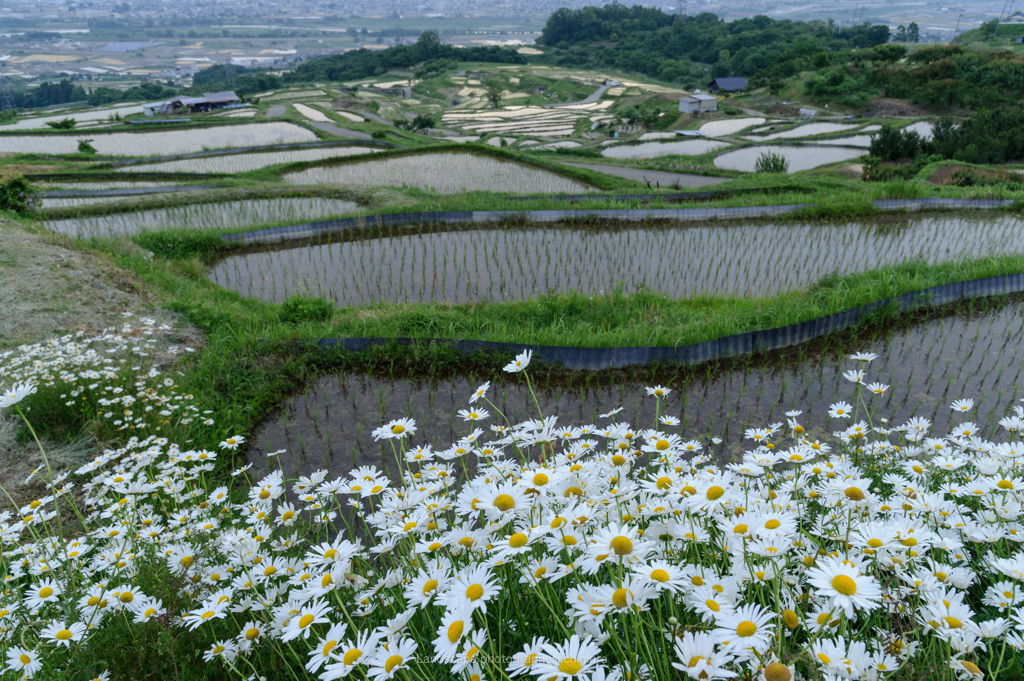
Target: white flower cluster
point(79, 368)
point(590, 552)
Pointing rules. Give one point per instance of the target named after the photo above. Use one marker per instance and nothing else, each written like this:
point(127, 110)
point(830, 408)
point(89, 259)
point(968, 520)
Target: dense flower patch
point(546, 550)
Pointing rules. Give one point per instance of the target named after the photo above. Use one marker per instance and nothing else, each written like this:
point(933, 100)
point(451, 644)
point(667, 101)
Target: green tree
point(901, 34)
point(913, 33)
point(494, 92)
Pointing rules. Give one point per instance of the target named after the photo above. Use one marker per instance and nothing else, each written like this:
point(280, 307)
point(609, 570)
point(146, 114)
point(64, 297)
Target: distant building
point(698, 103)
point(209, 101)
point(727, 85)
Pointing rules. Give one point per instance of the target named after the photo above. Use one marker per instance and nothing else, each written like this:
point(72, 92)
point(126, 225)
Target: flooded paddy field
point(161, 142)
point(245, 162)
point(443, 172)
point(229, 214)
point(686, 147)
point(799, 157)
point(926, 363)
point(681, 260)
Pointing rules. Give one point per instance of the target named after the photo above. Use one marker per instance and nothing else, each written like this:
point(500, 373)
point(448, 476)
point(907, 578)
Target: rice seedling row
point(977, 353)
point(230, 214)
point(466, 266)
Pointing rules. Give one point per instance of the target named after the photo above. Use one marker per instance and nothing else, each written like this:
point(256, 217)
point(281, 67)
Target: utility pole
point(229, 73)
point(957, 29)
point(681, 7)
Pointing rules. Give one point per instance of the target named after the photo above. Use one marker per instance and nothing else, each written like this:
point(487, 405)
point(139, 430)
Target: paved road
point(275, 111)
point(655, 177)
point(589, 99)
point(332, 129)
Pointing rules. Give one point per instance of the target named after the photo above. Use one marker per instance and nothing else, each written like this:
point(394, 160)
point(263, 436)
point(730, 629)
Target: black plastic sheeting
point(922, 204)
point(127, 191)
point(721, 348)
point(312, 229)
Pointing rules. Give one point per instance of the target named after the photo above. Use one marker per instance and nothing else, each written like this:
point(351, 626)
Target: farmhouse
point(209, 100)
point(698, 103)
point(727, 85)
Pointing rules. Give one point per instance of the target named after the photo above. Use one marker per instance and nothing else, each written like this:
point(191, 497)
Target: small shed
point(698, 103)
point(156, 108)
point(727, 85)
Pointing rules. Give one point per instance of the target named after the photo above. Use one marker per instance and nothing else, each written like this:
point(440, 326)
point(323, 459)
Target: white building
point(698, 103)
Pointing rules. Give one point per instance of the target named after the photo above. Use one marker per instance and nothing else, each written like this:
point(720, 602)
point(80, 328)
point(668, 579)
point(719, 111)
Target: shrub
point(299, 309)
point(86, 147)
point(892, 144)
point(771, 162)
point(18, 194)
point(379, 134)
point(63, 124)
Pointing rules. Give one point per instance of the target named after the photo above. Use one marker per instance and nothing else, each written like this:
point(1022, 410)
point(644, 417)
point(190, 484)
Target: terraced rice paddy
point(927, 364)
point(128, 184)
point(161, 142)
point(445, 173)
point(806, 130)
point(228, 215)
point(311, 113)
point(729, 126)
point(800, 158)
point(922, 128)
point(688, 147)
point(466, 266)
point(528, 120)
point(245, 162)
point(68, 202)
point(86, 117)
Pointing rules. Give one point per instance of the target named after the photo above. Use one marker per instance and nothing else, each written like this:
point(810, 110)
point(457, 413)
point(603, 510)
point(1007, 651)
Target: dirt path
point(48, 289)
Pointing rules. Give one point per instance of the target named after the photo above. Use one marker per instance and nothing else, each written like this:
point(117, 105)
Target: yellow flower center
point(621, 545)
point(63, 635)
point(746, 628)
point(569, 666)
point(474, 592)
point(713, 605)
point(659, 576)
point(776, 671)
point(854, 494)
point(455, 631)
point(429, 586)
point(305, 621)
point(772, 524)
point(844, 585)
point(715, 492)
point(394, 660)
point(352, 656)
point(504, 502)
point(791, 619)
point(45, 592)
point(517, 540)
point(621, 598)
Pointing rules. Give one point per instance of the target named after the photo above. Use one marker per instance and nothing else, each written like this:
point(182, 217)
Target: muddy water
point(679, 261)
point(928, 364)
